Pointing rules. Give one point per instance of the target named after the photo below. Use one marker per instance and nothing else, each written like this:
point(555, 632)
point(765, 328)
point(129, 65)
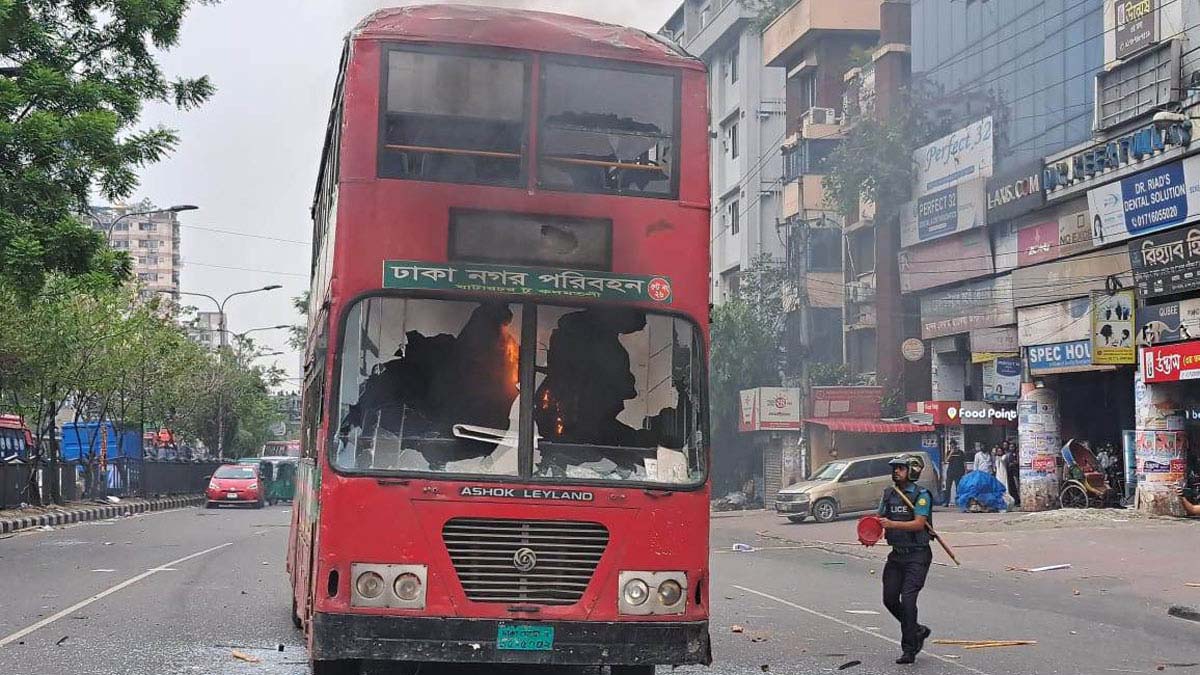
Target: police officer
point(910, 558)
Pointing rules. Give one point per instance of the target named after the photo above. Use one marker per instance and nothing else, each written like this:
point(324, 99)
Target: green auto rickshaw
point(278, 476)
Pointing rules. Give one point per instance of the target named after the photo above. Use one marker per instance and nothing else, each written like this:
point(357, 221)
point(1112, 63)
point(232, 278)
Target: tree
point(298, 333)
point(76, 76)
point(766, 11)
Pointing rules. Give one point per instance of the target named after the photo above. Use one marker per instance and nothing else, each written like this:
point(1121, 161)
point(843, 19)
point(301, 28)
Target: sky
point(248, 158)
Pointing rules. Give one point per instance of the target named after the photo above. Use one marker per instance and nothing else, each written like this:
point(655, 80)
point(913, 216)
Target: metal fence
point(118, 478)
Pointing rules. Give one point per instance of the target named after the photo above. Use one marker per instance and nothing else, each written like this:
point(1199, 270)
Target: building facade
point(152, 242)
point(1053, 216)
point(205, 329)
point(746, 105)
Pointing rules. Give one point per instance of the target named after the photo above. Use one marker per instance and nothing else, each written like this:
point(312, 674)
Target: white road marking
point(103, 594)
point(847, 624)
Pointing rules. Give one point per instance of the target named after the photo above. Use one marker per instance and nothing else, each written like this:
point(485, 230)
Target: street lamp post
point(225, 343)
point(170, 209)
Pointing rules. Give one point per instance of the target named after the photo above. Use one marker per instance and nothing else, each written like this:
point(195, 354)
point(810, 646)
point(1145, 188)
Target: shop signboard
point(952, 413)
point(1161, 456)
point(1171, 363)
point(1002, 380)
point(770, 409)
point(1137, 26)
point(859, 402)
point(963, 155)
point(1015, 193)
point(1113, 328)
point(1059, 357)
point(980, 304)
point(946, 261)
point(1074, 234)
point(1149, 201)
point(1167, 263)
point(1063, 321)
point(997, 340)
point(1126, 151)
point(1070, 277)
point(1037, 243)
point(1169, 322)
point(957, 208)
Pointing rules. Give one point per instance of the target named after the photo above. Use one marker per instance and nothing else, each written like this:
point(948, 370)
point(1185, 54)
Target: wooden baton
point(937, 537)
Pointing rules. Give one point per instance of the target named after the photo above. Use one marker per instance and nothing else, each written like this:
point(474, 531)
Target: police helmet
point(914, 463)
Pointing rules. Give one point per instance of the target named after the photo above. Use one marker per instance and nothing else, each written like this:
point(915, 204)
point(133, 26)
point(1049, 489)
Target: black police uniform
point(908, 563)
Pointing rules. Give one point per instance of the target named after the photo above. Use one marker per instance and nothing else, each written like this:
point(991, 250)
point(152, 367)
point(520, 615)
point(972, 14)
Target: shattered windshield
point(607, 130)
point(829, 471)
point(434, 386)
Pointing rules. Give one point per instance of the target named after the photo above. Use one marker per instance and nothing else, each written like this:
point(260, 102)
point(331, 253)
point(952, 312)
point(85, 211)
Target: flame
point(512, 357)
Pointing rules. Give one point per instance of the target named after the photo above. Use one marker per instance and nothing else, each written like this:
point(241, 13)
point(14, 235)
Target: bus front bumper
point(427, 639)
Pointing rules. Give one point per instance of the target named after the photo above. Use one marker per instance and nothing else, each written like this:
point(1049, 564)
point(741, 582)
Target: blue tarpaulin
point(983, 488)
point(88, 440)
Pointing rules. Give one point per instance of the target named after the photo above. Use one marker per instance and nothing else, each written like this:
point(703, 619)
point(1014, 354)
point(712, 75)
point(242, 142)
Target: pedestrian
point(1014, 472)
point(983, 460)
point(907, 530)
point(1185, 498)
point(956, 467)
point(1000, 461)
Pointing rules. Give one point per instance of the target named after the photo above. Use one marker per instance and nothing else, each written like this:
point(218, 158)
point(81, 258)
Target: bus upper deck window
point(607, 130)
point(453, 118)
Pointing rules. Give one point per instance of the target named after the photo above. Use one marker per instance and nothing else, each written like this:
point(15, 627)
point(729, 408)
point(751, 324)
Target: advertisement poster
point(1166, 264)
point(1037, 243)
point(1038, 436)
point(1015, 193)
point(963, 155)
point(1153, 200)
point(1002, 380)
point(1169, 322)
point(1113, 328)
point(859, 402)
point(942, 213)
point(1059, 357)
point(770, 409)
point(1161, 456)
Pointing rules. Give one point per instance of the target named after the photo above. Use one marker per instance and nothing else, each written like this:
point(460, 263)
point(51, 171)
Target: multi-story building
point(152, 242)
point(746, 103)
point(814, 43)
point(205, 329)
point(1063, 185)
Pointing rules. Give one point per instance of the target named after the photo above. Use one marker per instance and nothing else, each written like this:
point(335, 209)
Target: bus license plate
point(524, 637)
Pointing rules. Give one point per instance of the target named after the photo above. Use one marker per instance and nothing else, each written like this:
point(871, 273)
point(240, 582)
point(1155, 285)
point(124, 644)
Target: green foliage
point(766, 11)
point(829, 375)
point(875, 162)
point(75, 78)
point(86, 346)
point(297, 334)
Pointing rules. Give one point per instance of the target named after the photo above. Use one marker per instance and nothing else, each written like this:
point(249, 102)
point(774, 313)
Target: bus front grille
point(492, 558)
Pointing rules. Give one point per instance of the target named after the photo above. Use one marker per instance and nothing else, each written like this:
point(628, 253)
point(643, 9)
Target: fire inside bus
point(504, 425)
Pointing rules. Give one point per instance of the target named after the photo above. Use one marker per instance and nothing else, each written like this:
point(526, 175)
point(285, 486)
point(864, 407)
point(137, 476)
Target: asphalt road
point(177, 592)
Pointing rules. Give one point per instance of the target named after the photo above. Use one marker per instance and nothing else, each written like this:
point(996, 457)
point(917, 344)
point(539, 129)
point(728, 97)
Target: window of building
point(731, 64)
point(824, 249)
point(732, 131)
point(862, 251)
point(453, 117)
point(147, 276)
point(148, 227)
point(731, 284)
point(120, 227)
point(148, 243)
point(608, 129)
point(735, 217)
point(150, 260)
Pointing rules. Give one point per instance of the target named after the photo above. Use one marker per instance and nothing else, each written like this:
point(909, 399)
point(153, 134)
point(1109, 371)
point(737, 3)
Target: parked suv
point(846, 486)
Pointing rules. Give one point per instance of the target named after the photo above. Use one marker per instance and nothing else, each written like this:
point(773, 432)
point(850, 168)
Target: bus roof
point(523, 29)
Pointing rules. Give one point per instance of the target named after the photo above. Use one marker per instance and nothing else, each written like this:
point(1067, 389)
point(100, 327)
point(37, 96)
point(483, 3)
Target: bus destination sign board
point(410, 274)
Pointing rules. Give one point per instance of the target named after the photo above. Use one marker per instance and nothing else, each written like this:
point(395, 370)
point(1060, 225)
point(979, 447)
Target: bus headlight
point(636, 592)
point(391, 586)
point(652, 593)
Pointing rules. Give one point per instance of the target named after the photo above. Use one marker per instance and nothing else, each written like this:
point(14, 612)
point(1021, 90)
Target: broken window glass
point(607, 130)
point(618, 396)
point(430, 385)
point(453, 118)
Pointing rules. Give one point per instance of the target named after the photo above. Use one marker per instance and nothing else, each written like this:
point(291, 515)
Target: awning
point(869, 426)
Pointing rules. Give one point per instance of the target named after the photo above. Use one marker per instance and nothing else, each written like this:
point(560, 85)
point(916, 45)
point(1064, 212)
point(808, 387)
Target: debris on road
point(113, 500)
point(243, 656)
point(742, 548)
point(1182, 612)
point(736, 629)
point(103, 569)
point(46, 528)
point(61, 640)
point(1046, 568)
point(1075, 591)
point(849, 664)
point(985, 644)
point(1192, 584)
point(862, 611)
point(834, 562)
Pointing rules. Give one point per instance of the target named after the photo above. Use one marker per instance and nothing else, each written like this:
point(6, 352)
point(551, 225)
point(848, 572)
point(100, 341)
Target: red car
point(235, 484)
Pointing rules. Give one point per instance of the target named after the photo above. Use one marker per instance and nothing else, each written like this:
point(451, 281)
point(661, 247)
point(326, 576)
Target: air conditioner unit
point(858, 292)
point(819, 116)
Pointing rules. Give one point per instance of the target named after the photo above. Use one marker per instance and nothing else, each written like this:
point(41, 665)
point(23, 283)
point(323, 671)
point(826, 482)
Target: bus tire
point(825, 510)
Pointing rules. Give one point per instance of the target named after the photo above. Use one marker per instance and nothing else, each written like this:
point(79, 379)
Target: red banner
point(1172, 362)
point(856, 402)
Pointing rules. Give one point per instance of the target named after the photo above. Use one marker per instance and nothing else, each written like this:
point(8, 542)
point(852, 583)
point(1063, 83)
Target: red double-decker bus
point(505, 454)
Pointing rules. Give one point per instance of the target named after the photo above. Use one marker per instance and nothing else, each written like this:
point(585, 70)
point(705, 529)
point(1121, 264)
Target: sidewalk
point(14, 520)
